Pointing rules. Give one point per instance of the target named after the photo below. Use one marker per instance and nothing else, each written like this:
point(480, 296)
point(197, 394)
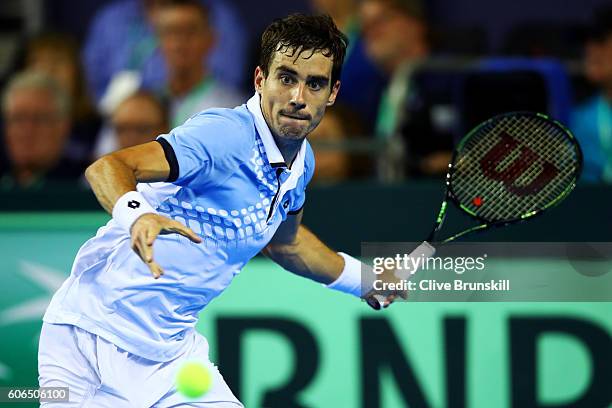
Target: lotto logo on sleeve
point(133, 204)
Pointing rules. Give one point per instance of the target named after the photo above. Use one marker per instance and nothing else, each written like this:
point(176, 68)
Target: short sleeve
point(309, 166)
point(205, 149)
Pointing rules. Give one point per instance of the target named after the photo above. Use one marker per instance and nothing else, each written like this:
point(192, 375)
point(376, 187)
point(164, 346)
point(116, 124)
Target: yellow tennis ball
point(193, 380)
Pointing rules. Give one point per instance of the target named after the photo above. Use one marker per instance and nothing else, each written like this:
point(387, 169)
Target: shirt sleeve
point(309, 166)
point(205, 150)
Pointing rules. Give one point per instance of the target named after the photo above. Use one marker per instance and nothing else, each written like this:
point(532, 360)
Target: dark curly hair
point(300, 33)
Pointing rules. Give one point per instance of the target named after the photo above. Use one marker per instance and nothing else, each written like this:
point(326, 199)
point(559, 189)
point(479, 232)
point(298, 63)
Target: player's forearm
point(117, 173)
point(307, 256)
point(110, 178)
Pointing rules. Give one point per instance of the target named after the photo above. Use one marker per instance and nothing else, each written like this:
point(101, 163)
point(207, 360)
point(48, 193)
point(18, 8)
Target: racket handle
point(423, 251)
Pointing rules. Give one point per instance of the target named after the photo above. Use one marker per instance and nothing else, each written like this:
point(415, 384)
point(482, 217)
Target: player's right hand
point(381, 299)
point(145, 230)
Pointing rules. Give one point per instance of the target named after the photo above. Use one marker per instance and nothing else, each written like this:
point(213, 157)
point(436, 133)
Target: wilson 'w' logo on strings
point(527, 158)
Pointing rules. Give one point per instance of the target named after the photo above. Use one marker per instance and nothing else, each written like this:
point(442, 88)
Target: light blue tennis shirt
point(231, 186)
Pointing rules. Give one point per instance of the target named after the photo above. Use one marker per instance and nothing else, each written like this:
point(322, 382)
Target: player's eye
point(314, 85)
point(286, 79)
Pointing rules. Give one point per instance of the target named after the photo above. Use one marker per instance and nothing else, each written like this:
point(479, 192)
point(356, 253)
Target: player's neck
point(181, 83)
point(289, 148)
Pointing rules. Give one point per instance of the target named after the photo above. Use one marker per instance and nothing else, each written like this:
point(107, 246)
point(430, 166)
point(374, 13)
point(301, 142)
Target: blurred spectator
point(57, 55)
point(362, 81)
point(592, 121)
point(36, 111)
point(331, 140)
point(139, 119)
point(186, 39)
point(122, 38)
point(396, 37)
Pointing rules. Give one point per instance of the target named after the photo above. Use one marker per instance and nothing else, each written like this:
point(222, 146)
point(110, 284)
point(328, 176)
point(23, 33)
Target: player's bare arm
point(298, 250)
point(116, 174)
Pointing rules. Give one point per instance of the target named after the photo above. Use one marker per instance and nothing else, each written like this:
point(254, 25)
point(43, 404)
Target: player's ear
point(334, 93)
point(259, 79)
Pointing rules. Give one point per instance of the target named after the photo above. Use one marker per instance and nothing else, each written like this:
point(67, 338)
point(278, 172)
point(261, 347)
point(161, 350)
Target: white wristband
point(349, 280)
point(129, 207)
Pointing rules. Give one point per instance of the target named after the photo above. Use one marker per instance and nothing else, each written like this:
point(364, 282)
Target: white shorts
point(99, 374)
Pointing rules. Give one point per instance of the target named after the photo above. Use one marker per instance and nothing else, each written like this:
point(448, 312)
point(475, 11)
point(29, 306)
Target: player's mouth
point(295, 116)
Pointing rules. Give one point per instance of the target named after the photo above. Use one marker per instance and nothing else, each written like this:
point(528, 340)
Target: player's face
point(296, 92)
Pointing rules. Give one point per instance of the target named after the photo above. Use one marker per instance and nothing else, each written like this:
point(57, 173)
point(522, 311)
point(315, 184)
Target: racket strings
point(561, 155)
point(538, 141)
point(511, 128)
point(500, 200)
point(546, 149)
point(510, 208)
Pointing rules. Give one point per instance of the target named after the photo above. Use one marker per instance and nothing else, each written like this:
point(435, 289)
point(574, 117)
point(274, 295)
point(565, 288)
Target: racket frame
point(486, 224)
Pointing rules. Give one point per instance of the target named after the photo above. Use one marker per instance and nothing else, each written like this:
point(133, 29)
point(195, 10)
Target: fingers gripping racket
point(508, 169)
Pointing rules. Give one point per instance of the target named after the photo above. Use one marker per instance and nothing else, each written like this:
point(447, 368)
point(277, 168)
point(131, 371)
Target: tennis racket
point(508, 169)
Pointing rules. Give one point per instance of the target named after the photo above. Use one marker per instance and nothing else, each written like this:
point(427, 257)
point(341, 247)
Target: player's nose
point(297, 97)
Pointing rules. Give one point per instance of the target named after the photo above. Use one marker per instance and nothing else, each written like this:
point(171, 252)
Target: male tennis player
point(191, 209)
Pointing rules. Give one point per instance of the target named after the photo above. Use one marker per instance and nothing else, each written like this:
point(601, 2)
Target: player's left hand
point(145, 231)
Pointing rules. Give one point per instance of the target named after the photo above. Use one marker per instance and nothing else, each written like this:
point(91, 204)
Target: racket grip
point(423, 251)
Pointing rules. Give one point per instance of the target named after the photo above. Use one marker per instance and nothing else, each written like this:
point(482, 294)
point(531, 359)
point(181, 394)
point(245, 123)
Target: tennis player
point(191, 209)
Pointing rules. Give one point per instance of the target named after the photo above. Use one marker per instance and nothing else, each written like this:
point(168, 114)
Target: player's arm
point(115, 174)
point(113, 179)
point(298, 250)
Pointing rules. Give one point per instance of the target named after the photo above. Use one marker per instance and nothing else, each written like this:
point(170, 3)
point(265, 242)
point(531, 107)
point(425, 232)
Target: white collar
point(275, 157)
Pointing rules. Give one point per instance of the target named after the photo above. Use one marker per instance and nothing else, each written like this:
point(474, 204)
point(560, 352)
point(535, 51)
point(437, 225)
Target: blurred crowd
point(409, 90)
